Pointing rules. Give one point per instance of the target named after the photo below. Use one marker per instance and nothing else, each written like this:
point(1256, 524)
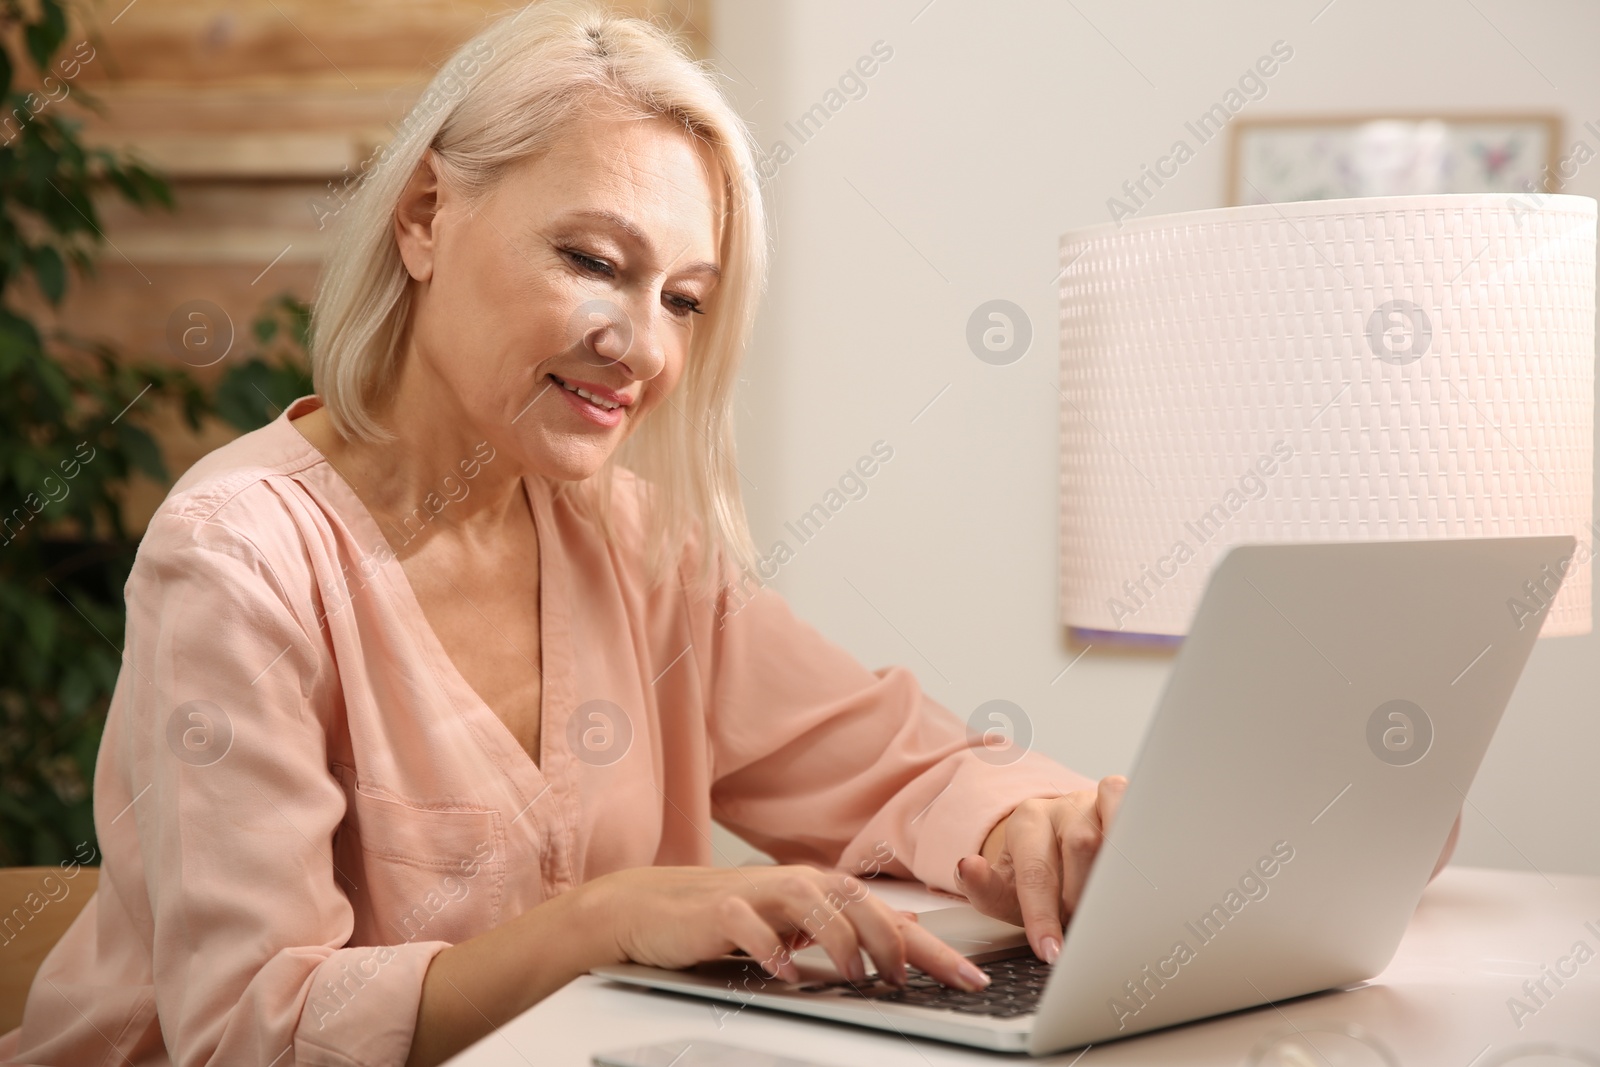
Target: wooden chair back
point(37, 904)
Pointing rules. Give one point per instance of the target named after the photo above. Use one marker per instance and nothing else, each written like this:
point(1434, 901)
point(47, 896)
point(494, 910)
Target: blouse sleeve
point(818, 759)
point(227, 699)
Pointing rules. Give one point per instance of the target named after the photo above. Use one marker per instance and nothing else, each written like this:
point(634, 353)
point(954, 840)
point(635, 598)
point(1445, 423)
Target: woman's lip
point(598, 390)
point(607, 417)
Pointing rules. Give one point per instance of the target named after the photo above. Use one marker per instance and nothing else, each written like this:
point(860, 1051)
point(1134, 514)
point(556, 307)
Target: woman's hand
point(1034, 864)
point(678, 916)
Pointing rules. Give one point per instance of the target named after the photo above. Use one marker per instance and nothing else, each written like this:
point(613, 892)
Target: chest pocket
point(418, 874)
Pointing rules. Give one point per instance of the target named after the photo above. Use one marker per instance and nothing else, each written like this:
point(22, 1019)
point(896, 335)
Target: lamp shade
point(1385, 368)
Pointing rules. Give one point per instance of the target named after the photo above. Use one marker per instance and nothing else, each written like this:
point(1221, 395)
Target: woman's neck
point(436, 462)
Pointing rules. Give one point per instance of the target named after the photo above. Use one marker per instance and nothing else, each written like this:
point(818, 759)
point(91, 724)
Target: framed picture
point(1325, 157)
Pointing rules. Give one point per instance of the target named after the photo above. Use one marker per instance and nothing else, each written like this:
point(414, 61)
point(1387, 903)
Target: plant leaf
point(77, 690)
point(17, 346)
point(50, 271)
point(40, 619)
point(266, 328)
point(141, 450)
point(46, 35)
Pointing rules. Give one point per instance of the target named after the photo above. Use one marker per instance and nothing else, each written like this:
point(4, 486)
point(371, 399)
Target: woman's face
point(585, 268)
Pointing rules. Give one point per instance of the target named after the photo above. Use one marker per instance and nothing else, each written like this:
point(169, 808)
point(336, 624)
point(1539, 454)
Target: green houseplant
point(71, 438)
point(261, 383)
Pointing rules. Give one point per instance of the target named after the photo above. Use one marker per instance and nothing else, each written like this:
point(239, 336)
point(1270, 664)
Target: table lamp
point(1380, 368)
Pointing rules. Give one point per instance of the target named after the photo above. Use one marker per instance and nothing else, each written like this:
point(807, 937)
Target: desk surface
point(1446, 999)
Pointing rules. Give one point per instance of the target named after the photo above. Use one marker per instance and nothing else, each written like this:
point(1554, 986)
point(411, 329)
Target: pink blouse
point(300, 801)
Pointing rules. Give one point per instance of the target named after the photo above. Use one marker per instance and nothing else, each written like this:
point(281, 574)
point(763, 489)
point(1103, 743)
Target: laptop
point(1316, 738)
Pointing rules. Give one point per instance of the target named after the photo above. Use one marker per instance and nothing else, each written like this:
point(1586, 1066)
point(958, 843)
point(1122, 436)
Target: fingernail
point(856, 970)
point(969, 973)
point(1052, 949)
point(958, 871)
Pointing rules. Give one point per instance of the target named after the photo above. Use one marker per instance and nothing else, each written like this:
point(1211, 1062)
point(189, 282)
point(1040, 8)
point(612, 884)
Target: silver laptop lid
point(1318, 734)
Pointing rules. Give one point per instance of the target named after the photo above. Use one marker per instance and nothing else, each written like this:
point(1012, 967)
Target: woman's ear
point(415, 219)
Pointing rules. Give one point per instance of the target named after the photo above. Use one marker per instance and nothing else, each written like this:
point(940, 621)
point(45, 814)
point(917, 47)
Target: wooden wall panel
point(251, 108)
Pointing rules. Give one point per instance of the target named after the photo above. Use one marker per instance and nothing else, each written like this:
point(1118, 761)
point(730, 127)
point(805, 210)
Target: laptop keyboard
point(1015, 985)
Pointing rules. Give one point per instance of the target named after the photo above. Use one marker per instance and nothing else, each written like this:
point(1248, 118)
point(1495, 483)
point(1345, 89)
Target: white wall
point(994, 127)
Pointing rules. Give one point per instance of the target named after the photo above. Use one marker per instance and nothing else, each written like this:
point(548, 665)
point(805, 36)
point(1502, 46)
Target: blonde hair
point(505, 96)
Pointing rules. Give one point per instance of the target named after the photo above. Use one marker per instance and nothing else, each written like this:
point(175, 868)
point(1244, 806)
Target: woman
point(434, 686)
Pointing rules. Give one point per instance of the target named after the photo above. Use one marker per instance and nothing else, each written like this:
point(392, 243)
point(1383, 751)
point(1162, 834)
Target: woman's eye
point(588, 263)
point(682, 306)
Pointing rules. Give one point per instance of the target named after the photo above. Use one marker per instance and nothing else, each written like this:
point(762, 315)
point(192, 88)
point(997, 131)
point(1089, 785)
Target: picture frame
point(1319, 157)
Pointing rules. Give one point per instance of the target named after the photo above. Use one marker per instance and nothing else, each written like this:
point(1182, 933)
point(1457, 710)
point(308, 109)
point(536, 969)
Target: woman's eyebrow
point(627, 226)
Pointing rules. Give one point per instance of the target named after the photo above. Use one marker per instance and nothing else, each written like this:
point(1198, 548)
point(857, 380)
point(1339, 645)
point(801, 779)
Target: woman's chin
point(563, 465)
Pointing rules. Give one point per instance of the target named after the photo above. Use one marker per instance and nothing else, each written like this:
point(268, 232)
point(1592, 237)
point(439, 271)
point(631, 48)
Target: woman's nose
point(605, 333)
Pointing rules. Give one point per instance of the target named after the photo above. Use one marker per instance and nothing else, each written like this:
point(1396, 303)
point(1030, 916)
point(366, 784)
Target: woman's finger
point(1078, 833)
point(1108, 798)
point(932, 956)
point(742, 925)
point(815, 909)
point(1082, 827)
point(1036, 868)
point(987, 889)
point(797, 940)
point(878, 929)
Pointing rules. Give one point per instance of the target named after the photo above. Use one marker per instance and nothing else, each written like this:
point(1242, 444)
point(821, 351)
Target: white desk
point(1476, 937)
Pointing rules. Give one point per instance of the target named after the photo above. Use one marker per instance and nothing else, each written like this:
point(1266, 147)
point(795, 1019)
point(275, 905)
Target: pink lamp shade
point(1382, 368)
